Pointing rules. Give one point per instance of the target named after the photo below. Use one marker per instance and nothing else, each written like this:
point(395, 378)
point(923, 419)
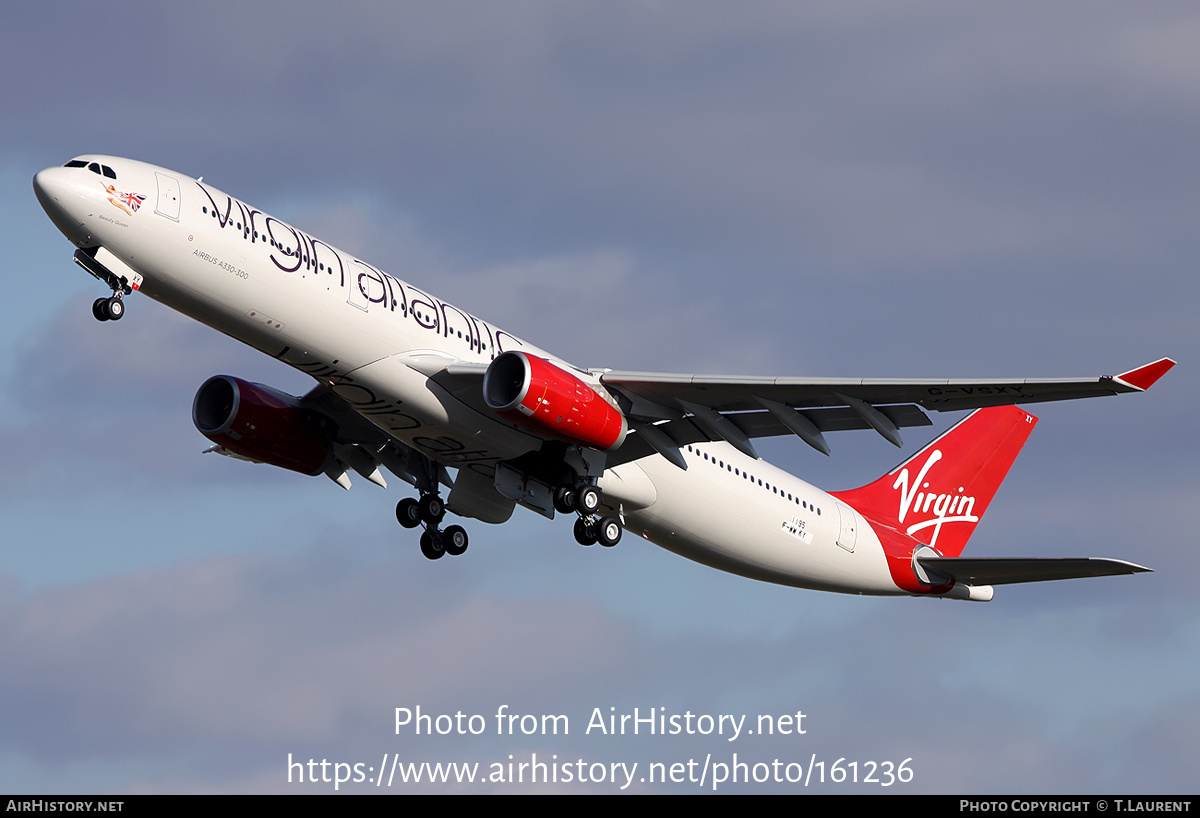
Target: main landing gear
point(108, 309)
point(589, 528)
point(429, 511)
point(585, 500)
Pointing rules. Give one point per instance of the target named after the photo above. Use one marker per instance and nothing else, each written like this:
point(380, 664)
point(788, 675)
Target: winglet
point(1145, 376)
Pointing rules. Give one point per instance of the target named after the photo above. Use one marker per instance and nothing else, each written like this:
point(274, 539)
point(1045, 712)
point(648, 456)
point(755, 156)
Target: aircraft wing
point(733, 394)
point(738, 408)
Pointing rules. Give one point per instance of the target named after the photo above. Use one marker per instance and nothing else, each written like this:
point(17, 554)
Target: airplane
point(410, 383)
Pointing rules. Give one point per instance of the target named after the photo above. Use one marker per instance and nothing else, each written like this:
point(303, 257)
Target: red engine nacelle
point(257, 422)
point(534, 393)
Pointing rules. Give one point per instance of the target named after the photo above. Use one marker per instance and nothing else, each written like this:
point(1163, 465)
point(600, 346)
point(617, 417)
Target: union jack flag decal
point(129, 202)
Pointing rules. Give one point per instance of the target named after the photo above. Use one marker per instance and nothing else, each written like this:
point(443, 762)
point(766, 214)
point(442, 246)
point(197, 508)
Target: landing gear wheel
point(432, 509)
point(564, 500)
point(408, 513)
point(114, 308)
point(431, 546)
point(608, 531)
point(454, 538)
point(585, 532)
point(100, 309)
point(587, 500)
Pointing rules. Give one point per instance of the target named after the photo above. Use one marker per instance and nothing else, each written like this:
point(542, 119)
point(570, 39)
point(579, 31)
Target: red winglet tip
point(1145, 376)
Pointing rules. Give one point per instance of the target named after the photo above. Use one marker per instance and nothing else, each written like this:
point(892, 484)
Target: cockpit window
point(94, 167)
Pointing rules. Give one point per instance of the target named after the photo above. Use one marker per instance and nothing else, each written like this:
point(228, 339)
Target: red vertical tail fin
point(938, 495)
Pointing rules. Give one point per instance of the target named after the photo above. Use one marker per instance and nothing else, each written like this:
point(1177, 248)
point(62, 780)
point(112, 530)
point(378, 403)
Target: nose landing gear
point(121, 278)
point(108, 309)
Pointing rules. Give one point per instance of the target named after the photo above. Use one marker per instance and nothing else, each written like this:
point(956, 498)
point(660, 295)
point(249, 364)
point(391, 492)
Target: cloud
point(218, 669)
point(87, 399)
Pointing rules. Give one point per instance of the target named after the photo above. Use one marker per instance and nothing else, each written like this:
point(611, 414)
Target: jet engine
point(259, 423)
point(534, 393)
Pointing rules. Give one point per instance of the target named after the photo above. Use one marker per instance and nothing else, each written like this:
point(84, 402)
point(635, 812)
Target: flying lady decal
point(129, 202)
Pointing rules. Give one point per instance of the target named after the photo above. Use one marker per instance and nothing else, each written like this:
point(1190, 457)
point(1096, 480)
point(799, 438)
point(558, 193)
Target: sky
point(876, 189)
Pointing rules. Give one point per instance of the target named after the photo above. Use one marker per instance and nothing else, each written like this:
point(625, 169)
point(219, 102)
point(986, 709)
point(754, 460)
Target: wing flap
point(474, 495)
point(762, 424)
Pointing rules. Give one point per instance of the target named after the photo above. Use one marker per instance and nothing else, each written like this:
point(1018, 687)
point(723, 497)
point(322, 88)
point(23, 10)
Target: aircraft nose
point(48, 184)
point(55, 189)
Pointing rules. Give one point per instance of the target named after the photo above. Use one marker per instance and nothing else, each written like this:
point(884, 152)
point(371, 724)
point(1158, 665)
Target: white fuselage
point(376, 339)
point(748, 517)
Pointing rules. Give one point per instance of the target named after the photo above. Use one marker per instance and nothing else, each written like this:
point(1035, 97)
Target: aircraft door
point(849, 526)
point(366, 286)
point(168, 196)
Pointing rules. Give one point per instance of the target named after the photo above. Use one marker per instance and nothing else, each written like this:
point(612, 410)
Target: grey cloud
point(222, 667)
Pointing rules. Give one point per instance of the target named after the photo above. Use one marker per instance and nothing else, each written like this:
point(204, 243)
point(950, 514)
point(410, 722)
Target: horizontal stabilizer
point(1005, 571)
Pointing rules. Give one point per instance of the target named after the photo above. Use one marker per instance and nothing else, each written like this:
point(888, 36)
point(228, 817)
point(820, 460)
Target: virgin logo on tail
point(947, 508)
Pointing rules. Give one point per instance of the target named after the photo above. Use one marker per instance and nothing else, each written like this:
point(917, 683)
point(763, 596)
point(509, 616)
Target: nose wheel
point(428, 511)
point(108, 309)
